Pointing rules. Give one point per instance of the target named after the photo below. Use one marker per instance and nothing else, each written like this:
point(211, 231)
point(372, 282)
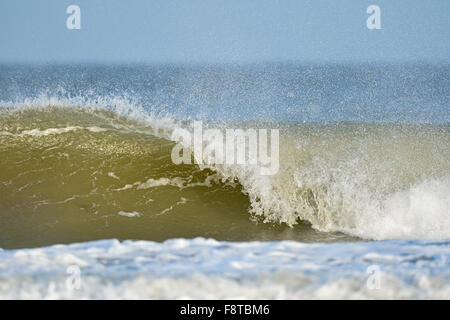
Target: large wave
point(78, 169)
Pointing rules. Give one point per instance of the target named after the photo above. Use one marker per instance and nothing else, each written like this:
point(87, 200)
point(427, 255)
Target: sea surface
point(359, 208)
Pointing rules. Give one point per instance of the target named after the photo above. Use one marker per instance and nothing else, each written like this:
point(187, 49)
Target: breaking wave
point(77, 169)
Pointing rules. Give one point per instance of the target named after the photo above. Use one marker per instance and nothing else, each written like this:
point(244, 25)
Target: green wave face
point(70, 175)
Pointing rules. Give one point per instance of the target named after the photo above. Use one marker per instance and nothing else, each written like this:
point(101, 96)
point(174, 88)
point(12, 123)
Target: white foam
point(112, 175)
point(178, 182)
point(209, 269)
point(422, 211)
point(129, 214)
point(178, 203)
point(52, 131)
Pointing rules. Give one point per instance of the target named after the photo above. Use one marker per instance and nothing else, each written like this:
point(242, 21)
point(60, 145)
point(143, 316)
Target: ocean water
point(363, 183)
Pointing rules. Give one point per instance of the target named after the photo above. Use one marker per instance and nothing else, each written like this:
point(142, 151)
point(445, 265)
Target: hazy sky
point(152, 31)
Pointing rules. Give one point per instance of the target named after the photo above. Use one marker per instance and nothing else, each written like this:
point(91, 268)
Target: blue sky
point(224, 31)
